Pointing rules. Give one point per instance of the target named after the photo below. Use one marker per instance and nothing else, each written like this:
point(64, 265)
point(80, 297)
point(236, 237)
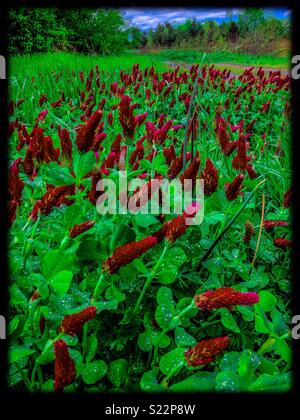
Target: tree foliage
point(105, 31)
point(84, 30)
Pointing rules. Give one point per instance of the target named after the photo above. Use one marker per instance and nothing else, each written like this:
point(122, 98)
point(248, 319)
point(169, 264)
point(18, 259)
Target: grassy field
point(48, 62)
point(21, 69)
point(223, 57)
point(44, 63)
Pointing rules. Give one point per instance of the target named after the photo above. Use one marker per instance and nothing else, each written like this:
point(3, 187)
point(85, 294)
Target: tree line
point(105, 31)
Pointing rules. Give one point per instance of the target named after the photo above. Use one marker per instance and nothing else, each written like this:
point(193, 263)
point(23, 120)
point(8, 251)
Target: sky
point(146, 18)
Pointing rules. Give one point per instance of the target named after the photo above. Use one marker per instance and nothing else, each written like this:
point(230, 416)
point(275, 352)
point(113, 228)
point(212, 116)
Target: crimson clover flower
point(233, 188)
point(287, 198)
point(64, 366)
point(72, 324)
point(65, 142)
point(176, 227)
point(126, 253)
point(126, 117)
point(79, 229)
point(86, 133)
point(224, 297)
point(192, 171)
point(249, 231)
point(270, 224)
point(283, 243)
point(206, 350)
point(210, 177)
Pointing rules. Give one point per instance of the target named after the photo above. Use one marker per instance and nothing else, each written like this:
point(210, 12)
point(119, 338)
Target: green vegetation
point(252, 33)
point(222, 57)
point(147, 302)
point(106, 32)
point(68, 267)
point(82, 30)
point(45, 63)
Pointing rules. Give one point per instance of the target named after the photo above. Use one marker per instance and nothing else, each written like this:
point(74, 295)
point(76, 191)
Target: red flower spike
point(57, 103)
point(175, 167)
point(270, 224)
point(287, 198)
point(42, 115)
point(42, 324)
point(54, 197)
point(93, 194)
point(79, 229)
point(126, 117)
point(210, 177)
point(15, 184)
point(65, 142)
point(139, 119)
point(169, 154)
point(205, 351)
point(43, 99)
point(116, 144)
point(110, 160)
point(249, 231)
point(110, 118)
point(126, 253)
point(85, 135)
point(283, 243)
point(50, 153)
point(224, 297)
point(251, 172)
point(192, 171)
point(72, 324)
point(176, 227)
point(233, 189)
point(240, 161)
point(64, 366)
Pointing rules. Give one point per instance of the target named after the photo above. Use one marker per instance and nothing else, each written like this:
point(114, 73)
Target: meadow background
point(254, 37)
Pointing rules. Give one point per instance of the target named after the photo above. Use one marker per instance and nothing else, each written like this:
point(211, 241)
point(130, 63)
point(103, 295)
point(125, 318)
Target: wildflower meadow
point(137, 301)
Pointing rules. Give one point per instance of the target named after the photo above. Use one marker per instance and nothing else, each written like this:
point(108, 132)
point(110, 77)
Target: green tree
point(159, 35)
point(84, 30)
point(34, 30)
point(250, 19)
point(136, 37)
point(150, 40)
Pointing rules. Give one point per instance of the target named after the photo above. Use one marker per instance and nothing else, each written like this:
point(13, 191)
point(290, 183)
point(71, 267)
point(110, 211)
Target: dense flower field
point(145, 302)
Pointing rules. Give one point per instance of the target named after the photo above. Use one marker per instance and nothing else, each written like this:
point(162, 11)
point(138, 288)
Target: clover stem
point(84, 340)
point(98, 285)
point(227, 227)
point(175, 369)
point(150, 278)
point(155, 354)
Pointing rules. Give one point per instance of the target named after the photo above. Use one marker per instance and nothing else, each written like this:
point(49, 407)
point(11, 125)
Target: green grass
point(20, 66)
point(23, 68)
point(223, 57)
point(45, 63)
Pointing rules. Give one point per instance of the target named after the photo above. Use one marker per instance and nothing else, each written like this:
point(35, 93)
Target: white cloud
point(150, 17)
point(211, 15)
